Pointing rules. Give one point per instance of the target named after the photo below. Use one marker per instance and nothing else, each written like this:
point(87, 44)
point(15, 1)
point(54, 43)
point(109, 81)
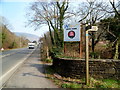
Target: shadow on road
point(34, 61)
point(30, 74)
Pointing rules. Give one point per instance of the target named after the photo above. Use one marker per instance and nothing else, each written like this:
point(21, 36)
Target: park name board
point(72, 32)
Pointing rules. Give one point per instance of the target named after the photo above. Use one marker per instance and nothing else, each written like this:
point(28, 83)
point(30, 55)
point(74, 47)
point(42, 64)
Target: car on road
point(31, 45)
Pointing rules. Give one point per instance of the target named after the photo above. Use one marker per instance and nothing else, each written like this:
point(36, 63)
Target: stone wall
point(98, 68)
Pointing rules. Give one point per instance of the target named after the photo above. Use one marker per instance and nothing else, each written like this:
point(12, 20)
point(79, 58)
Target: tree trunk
point(93, 45)
point(61, 31)
point(56, 36)
point(62, 8)
point(51, 36)
point(116, 51)
point(93, 42)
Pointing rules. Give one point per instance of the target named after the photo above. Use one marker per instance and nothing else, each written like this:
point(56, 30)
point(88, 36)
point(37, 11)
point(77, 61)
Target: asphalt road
point(31, 74)
point(12, 57)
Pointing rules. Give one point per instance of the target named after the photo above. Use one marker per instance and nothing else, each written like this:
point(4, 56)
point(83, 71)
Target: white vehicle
point(31, 45)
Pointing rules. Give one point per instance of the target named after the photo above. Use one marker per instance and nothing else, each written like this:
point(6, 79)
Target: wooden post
point(47, 53)
point(80, 49)
point(94, 28)
point(87, 58)
point(81, 40)
point(64, 48)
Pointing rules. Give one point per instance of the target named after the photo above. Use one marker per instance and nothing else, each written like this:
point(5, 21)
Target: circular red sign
point(71, 34)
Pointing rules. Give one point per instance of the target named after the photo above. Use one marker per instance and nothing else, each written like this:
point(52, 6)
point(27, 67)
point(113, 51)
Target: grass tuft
point(71, 85)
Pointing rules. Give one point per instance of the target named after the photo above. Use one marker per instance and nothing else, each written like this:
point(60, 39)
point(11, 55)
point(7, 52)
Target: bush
point(55, 51)
point(48, 60)
point(95, 55)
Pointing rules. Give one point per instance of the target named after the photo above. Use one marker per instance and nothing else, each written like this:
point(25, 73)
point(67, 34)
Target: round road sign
point(71, 34)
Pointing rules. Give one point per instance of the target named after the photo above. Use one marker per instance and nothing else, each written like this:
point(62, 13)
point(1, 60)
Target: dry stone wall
point(75, 68)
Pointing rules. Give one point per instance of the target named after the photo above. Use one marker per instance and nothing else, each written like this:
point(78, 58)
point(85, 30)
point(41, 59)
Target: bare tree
point(52, 14)
point(91, 13)
point(115, 6)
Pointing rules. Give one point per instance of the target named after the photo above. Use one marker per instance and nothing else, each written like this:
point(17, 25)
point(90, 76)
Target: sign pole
point(81, 41)
point(87, 59)
point(94, 28)
point(80, 48)
point(64, 48)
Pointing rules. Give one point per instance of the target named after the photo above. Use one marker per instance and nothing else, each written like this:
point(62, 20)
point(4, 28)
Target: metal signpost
point(94, 28)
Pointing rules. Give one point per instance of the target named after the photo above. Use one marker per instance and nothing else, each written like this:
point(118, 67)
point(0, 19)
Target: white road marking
point(13, 69)
point(1, 56)
point(6, 55)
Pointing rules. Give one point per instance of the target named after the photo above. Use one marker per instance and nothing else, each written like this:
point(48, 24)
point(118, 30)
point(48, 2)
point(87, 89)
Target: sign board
point(72, 32)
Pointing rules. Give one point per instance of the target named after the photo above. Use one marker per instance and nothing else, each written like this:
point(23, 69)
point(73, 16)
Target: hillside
point(10, 40)
point(30, 37)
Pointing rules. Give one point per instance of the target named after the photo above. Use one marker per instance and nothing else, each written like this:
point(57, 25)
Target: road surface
point(11, 60)
point(29, 74)
point(12, 57)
